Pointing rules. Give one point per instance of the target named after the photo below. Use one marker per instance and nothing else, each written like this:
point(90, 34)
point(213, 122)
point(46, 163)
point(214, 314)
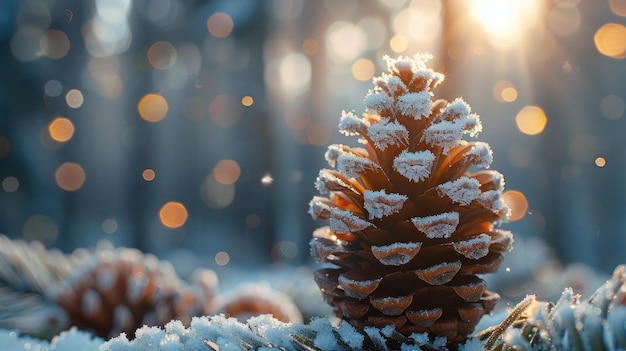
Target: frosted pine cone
point(410, 226)
point(124, 289)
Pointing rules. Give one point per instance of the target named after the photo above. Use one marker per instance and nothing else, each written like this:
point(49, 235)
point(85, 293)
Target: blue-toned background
point(195, 129)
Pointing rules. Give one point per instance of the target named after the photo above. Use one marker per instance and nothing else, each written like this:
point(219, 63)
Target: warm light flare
point(173, 215)
point(505, 20)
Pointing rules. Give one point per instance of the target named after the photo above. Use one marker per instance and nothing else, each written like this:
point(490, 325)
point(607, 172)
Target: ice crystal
point(352, 165)
point(351, 125)
point(380, 204)
point(377, 101)
point(474, 248)
point(463, 190)
point(415, 105)
point(437, 226)
point(342, 221)
point(415, 166)
point(386, 133)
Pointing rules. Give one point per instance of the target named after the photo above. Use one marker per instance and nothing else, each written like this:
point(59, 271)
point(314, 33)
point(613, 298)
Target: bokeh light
point(363, 69)
point(295, 73)
point(247, 101)
point(310, 46)
point(10, 184)
point(74, 98)
point(225, 110)
point(531, 120)
point(564, 19)
point(148, 174)
point(600, 162)
point(215, 194)
point(345, 41)
point(109, 226)
point(618, 7)
point(70, 176)
point(61, 129)
point(222, 258)
point(398, 43)
point(152, 107)
point(162, 55)
point(53, 88)
point(612, 107)
point(220, 24)
point(610, 40)
point(267, 179)
point(253, 221)
point(173, 214)
point(40, 228)
point(419, 23)
point(54, 44)
point(505, 91)
point(226, 172)
point(517, 202)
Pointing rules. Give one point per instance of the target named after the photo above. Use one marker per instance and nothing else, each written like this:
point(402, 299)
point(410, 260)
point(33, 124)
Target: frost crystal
point(319, 208)
point(351, 125)
point(342, 221)
point(444, 134)
point(415, 104)
point(474, 248)
point(377, 101)
point(463, 190)
point(415, 166)
point(437, 226)
point(479, 155)
point(396, 254)
point(333, 153)
point(387, 133)
point(352, 165)
point(379, 204)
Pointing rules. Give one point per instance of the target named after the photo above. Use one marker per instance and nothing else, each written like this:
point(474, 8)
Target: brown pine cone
point(410, 226)
point(251, 300)
point(123, 289)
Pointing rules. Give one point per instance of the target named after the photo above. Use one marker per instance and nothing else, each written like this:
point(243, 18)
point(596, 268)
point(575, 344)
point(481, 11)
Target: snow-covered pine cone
point(123, 289)
point(411, 222)
point(249, 300)
point(27, 271)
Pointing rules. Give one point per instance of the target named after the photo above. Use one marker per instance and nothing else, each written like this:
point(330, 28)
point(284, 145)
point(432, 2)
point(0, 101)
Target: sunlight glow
point(505, 20)
point(173, 214)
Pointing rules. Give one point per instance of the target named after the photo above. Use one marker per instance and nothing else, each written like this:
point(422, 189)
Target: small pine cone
point(124, 289)
point(251, 300)
point(410, 226)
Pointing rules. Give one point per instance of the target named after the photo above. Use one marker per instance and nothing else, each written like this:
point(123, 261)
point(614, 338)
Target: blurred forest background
point(195, 129)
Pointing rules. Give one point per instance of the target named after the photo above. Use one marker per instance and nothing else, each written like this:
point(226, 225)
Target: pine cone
point(410, 226)
point(125, 289)
point(251, 300)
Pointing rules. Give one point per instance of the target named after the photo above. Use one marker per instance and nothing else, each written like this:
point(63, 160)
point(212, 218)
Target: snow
point(342, 221)
point(386, 133)
point(326, 176)
point(396, 254)
point(474, 248)
point(415, 104)
point(376, 337)
point(479, 155)
point(462, 191)
point(437, 226)
point(415, 166)
point(351, 125)
point(325, 338)
point(350, 335)
point(393, 84)
point(377, 101)
point(352, 165)
point(444, 134)
point(359, 289)
point(379, 204)
point(333, 153)
point(492, 200)
point(319, 208)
